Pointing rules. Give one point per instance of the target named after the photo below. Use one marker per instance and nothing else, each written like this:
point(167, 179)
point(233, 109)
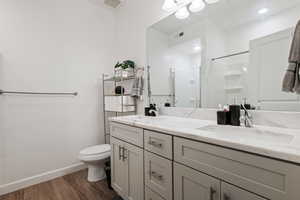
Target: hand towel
point(291, 80)
point(138, 85)
point(297, 79)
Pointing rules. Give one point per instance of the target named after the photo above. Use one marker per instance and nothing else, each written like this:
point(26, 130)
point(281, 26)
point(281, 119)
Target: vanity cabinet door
point(118, 168)
point(193, 185)
point(134, 165)
point(230, 192)
point(127, 170)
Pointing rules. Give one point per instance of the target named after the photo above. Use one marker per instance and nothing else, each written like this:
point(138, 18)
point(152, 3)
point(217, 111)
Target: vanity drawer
point(158, 143)
point(158, 175)
point(273, 179)
point(150, 195)
point(128, 134)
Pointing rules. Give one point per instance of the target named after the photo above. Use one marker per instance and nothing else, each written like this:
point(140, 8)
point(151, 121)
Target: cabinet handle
point(155, 144)
point(212, 192)
point(120, 152)
point(156, 175)
point(124, 153)
point(226, 197)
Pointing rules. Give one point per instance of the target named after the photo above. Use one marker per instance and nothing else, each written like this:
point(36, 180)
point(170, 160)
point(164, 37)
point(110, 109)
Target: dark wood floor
point(70, 187)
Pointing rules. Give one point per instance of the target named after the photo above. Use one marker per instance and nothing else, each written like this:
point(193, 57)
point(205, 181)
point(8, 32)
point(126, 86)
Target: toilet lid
point(98, 149)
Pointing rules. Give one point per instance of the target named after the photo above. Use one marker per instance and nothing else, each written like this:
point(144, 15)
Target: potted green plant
point(125, 69)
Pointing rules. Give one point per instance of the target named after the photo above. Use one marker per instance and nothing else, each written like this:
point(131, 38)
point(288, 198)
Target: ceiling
point(228, 14)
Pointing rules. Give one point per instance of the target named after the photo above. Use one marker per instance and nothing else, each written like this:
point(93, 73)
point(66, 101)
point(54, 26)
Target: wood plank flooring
point(70, 187)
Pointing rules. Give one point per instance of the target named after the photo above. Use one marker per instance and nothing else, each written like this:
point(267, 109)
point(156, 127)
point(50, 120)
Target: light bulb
point(263, 11)
point(182, 13)
point(211, 1)
point(197, 48)
point(169, 5)
point(181, 2)
point(197, 5)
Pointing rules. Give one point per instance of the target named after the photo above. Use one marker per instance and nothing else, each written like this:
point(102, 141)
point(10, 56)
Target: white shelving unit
point(117, 104)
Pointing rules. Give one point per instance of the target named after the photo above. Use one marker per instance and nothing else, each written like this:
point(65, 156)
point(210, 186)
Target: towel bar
point(37, 93)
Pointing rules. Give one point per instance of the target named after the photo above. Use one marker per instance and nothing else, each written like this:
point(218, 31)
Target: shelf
point(117, 95)
point(119, 111)
point(119, 79)
point(234, 88)
point(233, 73)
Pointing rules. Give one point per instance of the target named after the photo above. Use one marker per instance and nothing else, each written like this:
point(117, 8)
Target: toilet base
point(96, 171)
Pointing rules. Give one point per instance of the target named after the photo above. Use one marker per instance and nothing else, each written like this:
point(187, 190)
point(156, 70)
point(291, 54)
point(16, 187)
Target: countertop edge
point(271, 154)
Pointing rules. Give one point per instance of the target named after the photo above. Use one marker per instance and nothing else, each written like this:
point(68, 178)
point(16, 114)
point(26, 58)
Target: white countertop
point(279, 143)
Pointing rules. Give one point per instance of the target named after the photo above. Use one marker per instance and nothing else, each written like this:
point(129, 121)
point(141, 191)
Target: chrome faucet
point(247, 117)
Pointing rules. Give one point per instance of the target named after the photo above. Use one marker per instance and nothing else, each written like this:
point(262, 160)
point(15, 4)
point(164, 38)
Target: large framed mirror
point(230, 51)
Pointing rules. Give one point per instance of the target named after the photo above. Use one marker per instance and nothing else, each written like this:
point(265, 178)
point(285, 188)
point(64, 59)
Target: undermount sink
point(257, 134)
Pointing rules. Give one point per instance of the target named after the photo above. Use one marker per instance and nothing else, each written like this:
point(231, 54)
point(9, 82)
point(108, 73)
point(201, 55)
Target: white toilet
point(95, 158)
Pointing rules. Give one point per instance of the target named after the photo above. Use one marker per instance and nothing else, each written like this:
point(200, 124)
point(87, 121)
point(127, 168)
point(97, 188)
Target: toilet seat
point(94, 153)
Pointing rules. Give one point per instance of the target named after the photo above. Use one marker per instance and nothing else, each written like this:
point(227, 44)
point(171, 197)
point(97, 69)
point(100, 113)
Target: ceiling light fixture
point(169, 5)
point(197, 6)
point(182, 13)
point(211, 1)
point(180, 6)
point(263, 11)
point(197, 48)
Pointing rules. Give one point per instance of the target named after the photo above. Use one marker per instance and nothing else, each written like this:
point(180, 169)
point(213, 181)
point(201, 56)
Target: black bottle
point(235, 114)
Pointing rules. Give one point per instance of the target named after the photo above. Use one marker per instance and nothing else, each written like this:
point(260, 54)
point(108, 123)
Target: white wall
point(57, 45)
point(133, 18)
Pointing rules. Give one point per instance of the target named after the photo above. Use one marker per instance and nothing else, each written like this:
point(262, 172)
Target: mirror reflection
point(226, 53)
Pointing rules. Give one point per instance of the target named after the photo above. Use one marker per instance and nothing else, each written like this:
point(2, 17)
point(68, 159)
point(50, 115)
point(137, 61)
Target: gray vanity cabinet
point(269, 178)
point(176, 168)
point(230, 192)
point(127, 170)
point(190, 184)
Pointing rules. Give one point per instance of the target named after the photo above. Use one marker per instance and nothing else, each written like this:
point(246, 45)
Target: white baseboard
point(23, 183)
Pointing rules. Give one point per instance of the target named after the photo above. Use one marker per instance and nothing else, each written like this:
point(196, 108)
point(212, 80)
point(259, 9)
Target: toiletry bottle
point(228, 114)
point(235, 113)
point(221, 116)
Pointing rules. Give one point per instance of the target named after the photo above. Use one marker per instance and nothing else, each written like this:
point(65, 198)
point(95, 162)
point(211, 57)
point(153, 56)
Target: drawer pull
point(226, 197)
point(120, 152)
point(155, 144)
point(124, 153)
point(156, 175)
point(212, 193)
